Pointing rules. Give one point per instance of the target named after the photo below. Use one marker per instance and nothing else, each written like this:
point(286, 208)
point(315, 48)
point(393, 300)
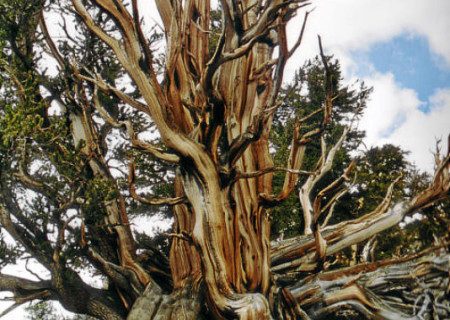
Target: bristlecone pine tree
point(66, 138)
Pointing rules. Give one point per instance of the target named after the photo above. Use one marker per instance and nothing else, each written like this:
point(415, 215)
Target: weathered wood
point(410, 290)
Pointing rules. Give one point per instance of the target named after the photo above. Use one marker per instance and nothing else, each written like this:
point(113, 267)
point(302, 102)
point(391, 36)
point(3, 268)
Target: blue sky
point(401, 49)
point(411, 61)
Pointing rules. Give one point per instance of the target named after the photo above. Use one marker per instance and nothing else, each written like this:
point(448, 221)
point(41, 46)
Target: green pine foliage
point(33, 137)
point(47, 311)
point(376, 168)
point(305, 96)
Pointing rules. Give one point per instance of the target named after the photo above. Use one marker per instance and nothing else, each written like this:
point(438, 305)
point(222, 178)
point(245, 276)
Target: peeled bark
point(411, 290)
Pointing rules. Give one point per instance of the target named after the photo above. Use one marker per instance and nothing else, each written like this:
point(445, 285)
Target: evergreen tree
point(46, 311)
point(300, 100)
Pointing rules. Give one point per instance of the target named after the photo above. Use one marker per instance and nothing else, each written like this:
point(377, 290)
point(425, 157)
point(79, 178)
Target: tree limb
point(408, 290)
point(167, 201)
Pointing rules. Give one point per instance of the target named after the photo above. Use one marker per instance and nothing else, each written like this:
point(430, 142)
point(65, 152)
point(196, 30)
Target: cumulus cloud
point(419, 131)
point(389, 105)
point(393, 115)
point(357, 24)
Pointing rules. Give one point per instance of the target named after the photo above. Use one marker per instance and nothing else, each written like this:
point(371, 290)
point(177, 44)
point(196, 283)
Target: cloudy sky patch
point(400, 48)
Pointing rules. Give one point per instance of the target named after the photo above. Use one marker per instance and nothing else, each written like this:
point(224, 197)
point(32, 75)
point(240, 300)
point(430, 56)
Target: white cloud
point(420, 130)
point(388, 106)
point(357, 24)
point(393, 114)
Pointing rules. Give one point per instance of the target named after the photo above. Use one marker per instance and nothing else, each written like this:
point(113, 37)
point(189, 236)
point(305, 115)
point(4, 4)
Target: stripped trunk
point(228, 226)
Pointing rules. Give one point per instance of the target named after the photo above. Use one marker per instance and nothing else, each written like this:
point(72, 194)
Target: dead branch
point(402, 290)
point(132, 188)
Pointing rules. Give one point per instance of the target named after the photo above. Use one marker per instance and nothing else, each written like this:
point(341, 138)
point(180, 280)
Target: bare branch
point(142, 41)
point(123, 277)
point(386, 203)
point(370, 294)
point(35, 184)
point(241, 143)
point(248, 175)
point(18, 233)
point(332, 188)
point(144, 146)
point(24, 290)
point(50, 42)
point(99, 32)
point(148, 147)
point(300, 36)
point(331, 204)
point(167, 201)
point(109, 89)
point(324, 165)
point(438, 190)
point(328, 85)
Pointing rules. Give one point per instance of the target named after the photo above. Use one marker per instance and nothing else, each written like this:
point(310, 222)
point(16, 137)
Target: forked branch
point(404, 290)
point(355, 231)
point(132, 188)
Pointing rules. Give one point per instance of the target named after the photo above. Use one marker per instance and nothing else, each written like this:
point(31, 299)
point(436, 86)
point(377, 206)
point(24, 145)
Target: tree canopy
point(106, 117)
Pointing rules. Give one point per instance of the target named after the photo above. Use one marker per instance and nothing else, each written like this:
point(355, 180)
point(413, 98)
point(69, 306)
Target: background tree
point(77, 157)
point(41, 311)
point(46, 311)
point(309, 91)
